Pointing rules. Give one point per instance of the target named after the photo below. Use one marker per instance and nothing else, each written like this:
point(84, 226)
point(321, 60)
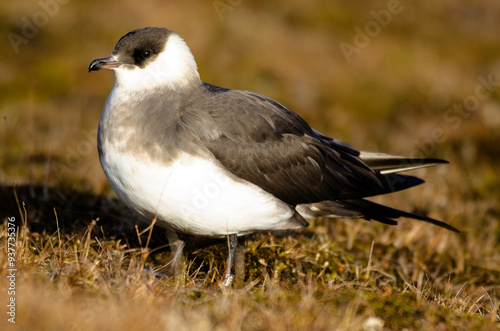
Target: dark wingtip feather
point(381, 213)
point(430, 220)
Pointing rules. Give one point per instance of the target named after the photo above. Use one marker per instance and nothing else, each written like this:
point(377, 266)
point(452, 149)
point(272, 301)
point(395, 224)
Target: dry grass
point(95, 273)
point(80, 262)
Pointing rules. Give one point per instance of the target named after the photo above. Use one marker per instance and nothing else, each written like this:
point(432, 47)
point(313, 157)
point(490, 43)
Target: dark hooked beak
point(104, 63)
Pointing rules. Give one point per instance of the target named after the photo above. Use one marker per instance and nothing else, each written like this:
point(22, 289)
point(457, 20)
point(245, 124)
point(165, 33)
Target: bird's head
point(150, 58)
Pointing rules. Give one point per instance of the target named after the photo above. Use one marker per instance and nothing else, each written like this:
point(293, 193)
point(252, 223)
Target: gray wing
point(265, 143)
point(385, 163)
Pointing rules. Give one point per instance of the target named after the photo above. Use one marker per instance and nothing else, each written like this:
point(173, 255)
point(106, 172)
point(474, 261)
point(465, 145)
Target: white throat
point(173, 68)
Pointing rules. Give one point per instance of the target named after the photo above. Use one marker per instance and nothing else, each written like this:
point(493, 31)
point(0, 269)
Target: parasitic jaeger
point(216, 162)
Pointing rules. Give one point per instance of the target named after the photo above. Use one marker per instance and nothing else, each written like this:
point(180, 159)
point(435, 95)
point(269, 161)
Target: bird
point(216, 162)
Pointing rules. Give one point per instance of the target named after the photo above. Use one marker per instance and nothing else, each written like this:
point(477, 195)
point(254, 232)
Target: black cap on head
point(140, 46)
point(136, 48)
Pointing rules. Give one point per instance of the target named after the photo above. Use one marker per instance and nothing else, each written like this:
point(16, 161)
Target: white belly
point(193, 195)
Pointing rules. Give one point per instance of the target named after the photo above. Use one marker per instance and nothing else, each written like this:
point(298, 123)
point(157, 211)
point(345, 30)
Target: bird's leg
point(179, 244)
point(232, 242)
point(177, 255)
point(171, 268)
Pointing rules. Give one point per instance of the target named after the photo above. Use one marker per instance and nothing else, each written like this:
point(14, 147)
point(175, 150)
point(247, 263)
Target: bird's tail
point(361, 208)
point(389, 164)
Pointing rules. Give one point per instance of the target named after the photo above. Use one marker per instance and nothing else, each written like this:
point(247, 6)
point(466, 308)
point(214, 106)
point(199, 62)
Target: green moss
point(401, 311)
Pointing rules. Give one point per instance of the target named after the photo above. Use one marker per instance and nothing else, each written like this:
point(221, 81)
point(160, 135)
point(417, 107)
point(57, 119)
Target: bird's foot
point(228, 280)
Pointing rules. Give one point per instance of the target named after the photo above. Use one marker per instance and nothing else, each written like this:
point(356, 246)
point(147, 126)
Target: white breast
point(193, 195)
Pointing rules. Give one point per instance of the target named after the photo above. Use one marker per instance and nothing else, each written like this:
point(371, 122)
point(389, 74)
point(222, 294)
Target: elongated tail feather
point(387, 164)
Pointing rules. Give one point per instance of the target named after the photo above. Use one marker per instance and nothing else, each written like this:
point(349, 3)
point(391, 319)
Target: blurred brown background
point(415, 78)
point(401, 77)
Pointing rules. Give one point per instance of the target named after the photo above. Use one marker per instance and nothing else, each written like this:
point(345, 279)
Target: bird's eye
point(142, 55)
